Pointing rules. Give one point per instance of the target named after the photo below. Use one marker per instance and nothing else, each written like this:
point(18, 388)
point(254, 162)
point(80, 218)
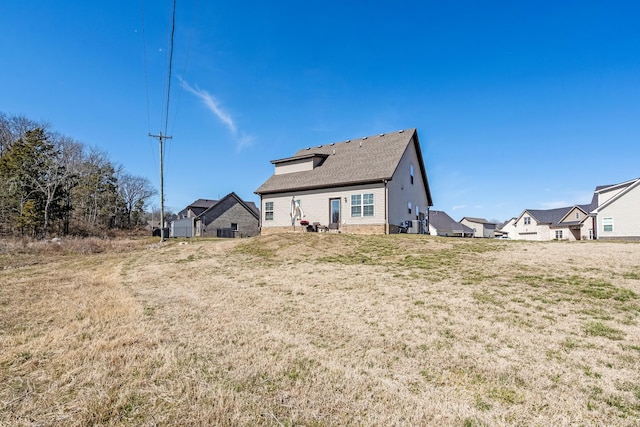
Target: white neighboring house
point(612, 214)
point(508, 229)
point(480, 226)
point(569, 223)
point(369, 185)
point(617, 215)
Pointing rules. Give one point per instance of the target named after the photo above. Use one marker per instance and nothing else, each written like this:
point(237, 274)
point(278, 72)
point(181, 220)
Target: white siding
point(315, 204)
point(571, 216)
point(294, 166)
point(606, 195)
point(401, 191)
point(625, 212)
point(477, 227)
point(531, 231)
point(510, 229)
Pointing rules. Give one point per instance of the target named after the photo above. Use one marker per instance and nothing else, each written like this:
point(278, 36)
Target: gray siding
point(225, 213)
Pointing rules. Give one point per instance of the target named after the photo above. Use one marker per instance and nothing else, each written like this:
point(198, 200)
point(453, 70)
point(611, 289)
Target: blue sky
point(518, 104)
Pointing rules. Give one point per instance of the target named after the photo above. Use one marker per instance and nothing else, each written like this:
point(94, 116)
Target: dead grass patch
point(313, 329)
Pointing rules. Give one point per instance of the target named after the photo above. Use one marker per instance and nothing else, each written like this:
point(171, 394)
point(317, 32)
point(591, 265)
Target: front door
point(334, 213)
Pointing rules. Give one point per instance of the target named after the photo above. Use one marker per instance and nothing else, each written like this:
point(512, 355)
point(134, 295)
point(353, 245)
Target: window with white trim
point(268, 211)
point(362, 205)
point(411, 173)
point(558, 234)
point(356, 205)
point(367, 204)
point(409, 207)
point(527, 220)
point(607, 224)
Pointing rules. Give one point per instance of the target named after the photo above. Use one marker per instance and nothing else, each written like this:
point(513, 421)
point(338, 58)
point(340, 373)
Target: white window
point(367, 204)
point(268, 211)
point(607, 224)
point(558, 234)
point(411, 173)
point(409, 207)
point(362, 205)
point(577, 215)
point(527, 220)
point(356, 205)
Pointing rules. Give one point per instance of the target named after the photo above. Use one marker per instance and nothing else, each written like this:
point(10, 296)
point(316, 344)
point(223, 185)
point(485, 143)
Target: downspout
point(261, 211)
point(386, 207)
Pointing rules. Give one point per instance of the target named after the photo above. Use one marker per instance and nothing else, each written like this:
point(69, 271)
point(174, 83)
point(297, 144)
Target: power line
point(146, 72)
point(186, 60)
point(160, 136)
point(173, 29)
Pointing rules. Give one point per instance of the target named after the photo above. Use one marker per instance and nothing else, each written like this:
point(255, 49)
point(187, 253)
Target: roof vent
point(382, 134)
point(348, 140)
point(308, 148)
point(332, 144)
point(319, 146)
point(364, 137)
point(401, 130)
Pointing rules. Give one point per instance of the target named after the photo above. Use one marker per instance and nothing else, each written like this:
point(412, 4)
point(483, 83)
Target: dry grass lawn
point(320, 329)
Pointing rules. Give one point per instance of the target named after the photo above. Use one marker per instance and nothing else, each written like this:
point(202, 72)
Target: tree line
point(51, 184)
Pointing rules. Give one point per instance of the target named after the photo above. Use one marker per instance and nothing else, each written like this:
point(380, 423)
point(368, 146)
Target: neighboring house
point(441, 224)
point(507, 229)
point(368, 185)
point(568, 223)
point(481, 227)
point(612, 214)
point(617, 215)
point(228, 217)
point(196, 208)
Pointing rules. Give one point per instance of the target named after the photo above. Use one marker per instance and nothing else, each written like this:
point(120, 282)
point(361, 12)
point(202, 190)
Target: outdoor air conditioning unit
point(413, 227)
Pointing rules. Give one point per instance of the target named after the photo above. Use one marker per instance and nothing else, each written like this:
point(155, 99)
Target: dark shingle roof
point(478, 220)
point(202, 203)
point(357, 161)
point(549, 216)
point(442, 222)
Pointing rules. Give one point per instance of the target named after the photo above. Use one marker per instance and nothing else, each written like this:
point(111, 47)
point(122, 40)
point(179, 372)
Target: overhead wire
point(173, 29)
point(164, 120)
point(186, 60)
point(146, 80)
point(146, 71)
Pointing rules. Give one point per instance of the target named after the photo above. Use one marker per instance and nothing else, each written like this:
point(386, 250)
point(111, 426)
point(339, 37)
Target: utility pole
point(160, 138)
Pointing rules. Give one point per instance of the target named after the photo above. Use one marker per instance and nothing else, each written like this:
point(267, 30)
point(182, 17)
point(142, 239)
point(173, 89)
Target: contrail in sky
point(212, 104)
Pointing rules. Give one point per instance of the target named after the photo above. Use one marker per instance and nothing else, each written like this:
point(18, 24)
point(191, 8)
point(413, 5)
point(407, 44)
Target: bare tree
point(13, 128)
point(134, 192)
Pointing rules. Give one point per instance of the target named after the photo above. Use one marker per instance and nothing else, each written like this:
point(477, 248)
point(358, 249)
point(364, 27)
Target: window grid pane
point(268, 211)
point(356, 205)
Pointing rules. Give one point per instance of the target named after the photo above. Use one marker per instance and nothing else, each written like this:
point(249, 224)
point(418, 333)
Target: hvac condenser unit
point(413, 227)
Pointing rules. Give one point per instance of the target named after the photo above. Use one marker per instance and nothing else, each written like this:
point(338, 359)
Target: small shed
point(182, 227)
